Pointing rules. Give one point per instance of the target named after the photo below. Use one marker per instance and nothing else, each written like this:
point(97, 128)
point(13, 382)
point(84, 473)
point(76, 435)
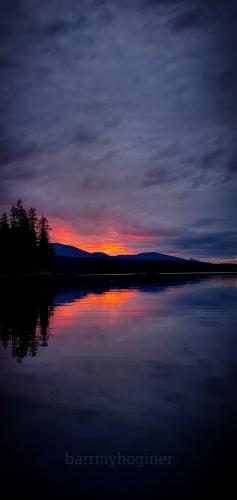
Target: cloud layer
point(118, 119)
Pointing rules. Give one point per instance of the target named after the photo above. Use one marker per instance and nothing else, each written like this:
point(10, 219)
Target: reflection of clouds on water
point(104, 320)
point(148, 369)
point(111, 302)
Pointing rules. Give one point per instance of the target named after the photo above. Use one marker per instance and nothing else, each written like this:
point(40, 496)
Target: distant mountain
point(76, 253)
point(149, 256)
point(69, 251)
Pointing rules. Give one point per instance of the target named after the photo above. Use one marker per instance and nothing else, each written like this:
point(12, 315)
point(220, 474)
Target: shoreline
point(48, 281)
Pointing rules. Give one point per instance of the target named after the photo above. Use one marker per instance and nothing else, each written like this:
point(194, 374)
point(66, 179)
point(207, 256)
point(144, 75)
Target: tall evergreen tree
point(13, 257)
point(4, 242)
point(4, 225)
point(33, 240)
point(45, 249)
point(22, 237)
point(24, 241)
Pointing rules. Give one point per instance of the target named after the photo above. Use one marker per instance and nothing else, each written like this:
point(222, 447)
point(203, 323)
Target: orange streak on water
point(111, 303)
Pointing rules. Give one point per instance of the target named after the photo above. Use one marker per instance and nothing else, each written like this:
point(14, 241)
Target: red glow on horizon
point(114, 243)
point(66, 234)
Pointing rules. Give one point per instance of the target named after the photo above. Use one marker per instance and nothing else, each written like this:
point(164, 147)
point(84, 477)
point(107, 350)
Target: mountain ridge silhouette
point(70, 251)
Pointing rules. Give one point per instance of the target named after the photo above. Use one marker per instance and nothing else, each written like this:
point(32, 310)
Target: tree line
point(24, 241)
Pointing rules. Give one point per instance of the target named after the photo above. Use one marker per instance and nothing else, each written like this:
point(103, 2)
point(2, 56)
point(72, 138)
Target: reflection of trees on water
point(25, 315)
point(25, 322)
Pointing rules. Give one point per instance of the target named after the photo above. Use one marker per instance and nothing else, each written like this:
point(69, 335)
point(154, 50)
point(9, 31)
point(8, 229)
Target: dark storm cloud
point(160, 176)
point(210, 159)
point(12, 151)
point(121, 115)
point(232, 167)
point(206, 221)
point(220, 243)
point(6, 63)
point(194, 17)
point(61, 26)
point(197, 14)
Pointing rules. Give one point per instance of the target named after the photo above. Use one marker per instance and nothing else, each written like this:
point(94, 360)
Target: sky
point(118, 121)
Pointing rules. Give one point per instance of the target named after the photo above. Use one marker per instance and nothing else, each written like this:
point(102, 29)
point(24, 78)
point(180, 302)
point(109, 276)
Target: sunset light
point(109, 302)
point(66, 234)
point(118, 248)
point(111, 248)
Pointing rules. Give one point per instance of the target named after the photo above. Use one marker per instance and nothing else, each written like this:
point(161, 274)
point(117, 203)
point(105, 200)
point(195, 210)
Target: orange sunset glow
point(112, 301)
point(66, 234)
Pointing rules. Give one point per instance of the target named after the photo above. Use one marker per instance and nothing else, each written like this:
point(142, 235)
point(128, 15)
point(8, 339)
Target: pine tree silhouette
point(4, 241)
point(24, 241)
point(33, 238)
point(45, 250)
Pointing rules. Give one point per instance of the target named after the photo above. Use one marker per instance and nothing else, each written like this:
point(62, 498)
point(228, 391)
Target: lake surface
point(142, 376)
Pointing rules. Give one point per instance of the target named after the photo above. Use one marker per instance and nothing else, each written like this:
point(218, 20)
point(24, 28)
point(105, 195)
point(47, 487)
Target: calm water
point(130, 372)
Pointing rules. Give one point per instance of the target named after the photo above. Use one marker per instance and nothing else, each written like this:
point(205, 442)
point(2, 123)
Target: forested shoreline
point(24, 241)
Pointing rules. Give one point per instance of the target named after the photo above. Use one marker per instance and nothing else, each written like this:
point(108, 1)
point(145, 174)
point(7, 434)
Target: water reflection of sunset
point(111, 302)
